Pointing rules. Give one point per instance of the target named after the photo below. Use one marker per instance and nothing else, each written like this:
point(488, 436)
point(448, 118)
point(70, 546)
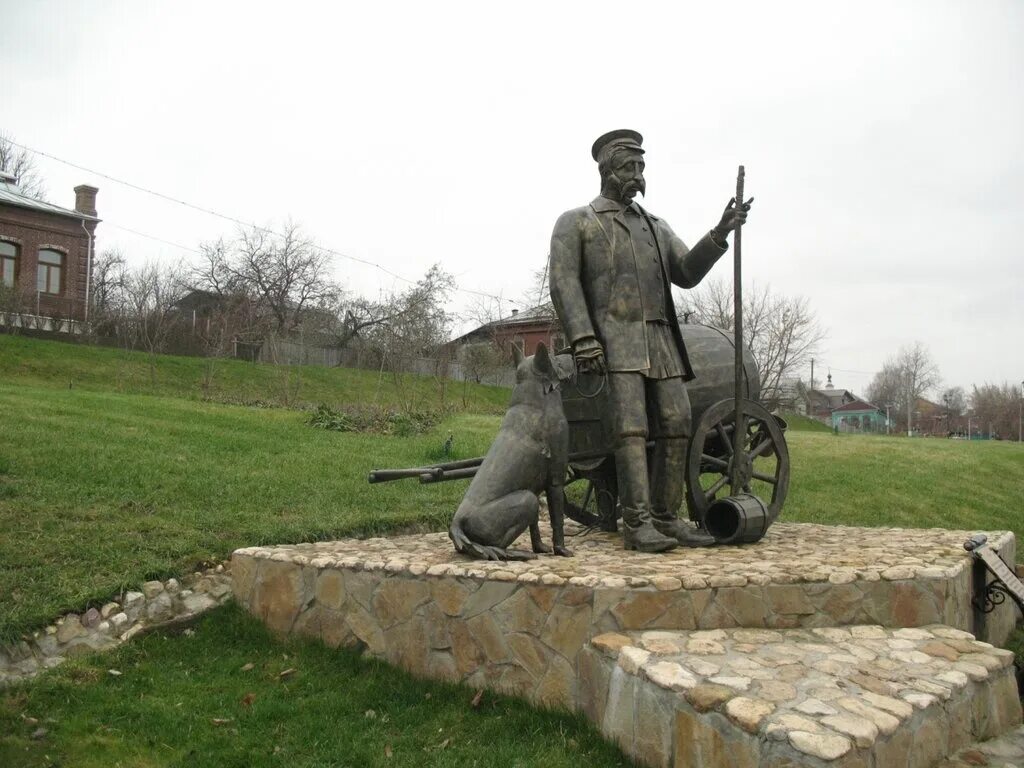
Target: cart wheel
point(763, 460)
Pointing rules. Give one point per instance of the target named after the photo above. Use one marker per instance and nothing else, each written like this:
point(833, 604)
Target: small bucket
point(740, 519)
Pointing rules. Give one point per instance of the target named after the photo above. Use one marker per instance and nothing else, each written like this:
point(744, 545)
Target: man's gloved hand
point(589, 355)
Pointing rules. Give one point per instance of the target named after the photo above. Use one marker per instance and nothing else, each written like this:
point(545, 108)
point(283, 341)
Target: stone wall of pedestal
point(520, 627)
point(852, 696)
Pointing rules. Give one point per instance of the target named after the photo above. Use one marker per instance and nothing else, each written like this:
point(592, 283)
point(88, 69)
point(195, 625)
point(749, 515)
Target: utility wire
point(211, 212)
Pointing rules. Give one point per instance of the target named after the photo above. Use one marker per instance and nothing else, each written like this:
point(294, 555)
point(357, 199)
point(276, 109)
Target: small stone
point(918, 699)
point(868, 632)
point(886, 723)
point(91, 618)
point(160, 607)
point(912, 657)
point(69, 629)
point(109, 609)
point(702, 667)
point(197, 603)
point(842, 576)
point(695, 582)
point(774, 690)
point(704, 647)
point(888, 704)
point(941, 650)
point(152, 588)
point(717, 635)
point(667, 674)
point(863, 731)
point(611, 642)
point(780, 725)
point(973, 671)
point(827, 746)
point(739, 683)
point(631, 659)
point(119, 621)
point(707, 696)
point(815, 707)
point(955, 677)
point(748, 713)
point(132, 599)
point(666, 583)
point(173, 586)
point(104, 627)
point(912, 633)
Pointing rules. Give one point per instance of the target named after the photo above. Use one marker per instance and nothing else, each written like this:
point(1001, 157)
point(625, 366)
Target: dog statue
point(529, 455)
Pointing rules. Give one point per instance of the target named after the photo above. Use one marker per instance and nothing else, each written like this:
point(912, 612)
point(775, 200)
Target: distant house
point(821, 402)
point(524, 330)
point(858, 416)
point(46, 255)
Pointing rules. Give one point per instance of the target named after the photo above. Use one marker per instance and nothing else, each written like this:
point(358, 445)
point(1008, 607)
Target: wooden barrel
point(713, 359)
point(711, 355)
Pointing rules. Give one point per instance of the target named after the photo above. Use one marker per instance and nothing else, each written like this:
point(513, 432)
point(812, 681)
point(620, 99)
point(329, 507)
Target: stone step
point(1006, 751)
point(852, 696)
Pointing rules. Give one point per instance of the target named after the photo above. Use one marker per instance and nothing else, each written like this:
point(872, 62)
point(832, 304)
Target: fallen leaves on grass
point(287, 673)
point(247, 667)
point(387, 751)
point(477, 698)
point(370, 714)
point(248, 699)
point(218, 721)
point(114, 672)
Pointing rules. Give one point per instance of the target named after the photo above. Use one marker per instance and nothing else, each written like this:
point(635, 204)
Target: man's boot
point(631, 469)
point(668, 473)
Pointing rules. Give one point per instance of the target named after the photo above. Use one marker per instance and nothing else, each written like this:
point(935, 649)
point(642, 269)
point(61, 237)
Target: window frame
point(16, 259)
point(49, 268)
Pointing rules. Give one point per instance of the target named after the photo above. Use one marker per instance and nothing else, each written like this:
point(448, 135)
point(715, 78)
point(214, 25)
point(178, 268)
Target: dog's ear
point(542, 361)
point(517, 355)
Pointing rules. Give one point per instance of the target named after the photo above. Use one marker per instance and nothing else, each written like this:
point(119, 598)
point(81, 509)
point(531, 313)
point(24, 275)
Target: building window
point(8, 264)
point(51, 271)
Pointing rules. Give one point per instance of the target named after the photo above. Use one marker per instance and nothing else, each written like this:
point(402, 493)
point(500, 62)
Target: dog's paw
point(563, 552)
point(542, 549)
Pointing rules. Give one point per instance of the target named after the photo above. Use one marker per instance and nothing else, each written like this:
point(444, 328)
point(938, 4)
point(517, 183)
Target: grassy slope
point(335, 710)
point(99, 490)
point(59, 365)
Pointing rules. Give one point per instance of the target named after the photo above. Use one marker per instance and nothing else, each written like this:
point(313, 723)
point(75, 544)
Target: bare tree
point(21, 164)
point(782, 332)
point(148, 298)
point(996, 409)
point(955, 401)
point(106, 289)
point(419, 323)
point(287, 272)
point(903, 380)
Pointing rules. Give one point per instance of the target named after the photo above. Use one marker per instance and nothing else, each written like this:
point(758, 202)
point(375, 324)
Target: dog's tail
point(464, 545)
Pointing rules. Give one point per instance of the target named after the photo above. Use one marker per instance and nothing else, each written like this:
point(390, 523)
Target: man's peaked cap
point(622, 137)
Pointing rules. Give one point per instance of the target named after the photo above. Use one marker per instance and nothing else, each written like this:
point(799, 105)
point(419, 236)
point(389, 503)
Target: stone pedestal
point(531, 628)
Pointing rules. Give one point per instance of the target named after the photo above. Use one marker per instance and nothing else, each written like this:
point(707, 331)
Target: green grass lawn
point(121, 477)
point(80, 366)
point(186, 700)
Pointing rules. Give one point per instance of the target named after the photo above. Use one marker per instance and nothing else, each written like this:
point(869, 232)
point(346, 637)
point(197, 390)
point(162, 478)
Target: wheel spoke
point(709, 494)
point(763, 446)
point(714, 461)
point(724, 437)
point(763, 477)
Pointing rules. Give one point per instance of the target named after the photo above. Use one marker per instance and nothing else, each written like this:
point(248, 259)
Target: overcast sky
point(883, 141)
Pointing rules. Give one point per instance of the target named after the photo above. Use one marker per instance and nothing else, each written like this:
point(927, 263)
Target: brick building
point(46, 256)
point(524, 330)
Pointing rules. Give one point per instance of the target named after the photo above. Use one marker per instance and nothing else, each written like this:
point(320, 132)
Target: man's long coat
point(595, 285)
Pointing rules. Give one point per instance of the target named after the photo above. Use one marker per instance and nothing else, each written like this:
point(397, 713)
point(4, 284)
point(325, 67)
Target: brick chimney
point(85, 199)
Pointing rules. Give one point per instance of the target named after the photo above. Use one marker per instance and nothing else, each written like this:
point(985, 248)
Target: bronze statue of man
point(612, 266)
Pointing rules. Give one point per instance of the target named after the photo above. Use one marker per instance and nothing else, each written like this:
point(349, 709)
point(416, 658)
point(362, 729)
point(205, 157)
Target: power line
point(224, 216)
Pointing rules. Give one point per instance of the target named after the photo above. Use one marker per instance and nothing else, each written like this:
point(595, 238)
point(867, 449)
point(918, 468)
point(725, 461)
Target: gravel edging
point(155, 604)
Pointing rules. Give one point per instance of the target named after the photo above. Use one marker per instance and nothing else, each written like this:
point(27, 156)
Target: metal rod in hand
point(740, 432)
